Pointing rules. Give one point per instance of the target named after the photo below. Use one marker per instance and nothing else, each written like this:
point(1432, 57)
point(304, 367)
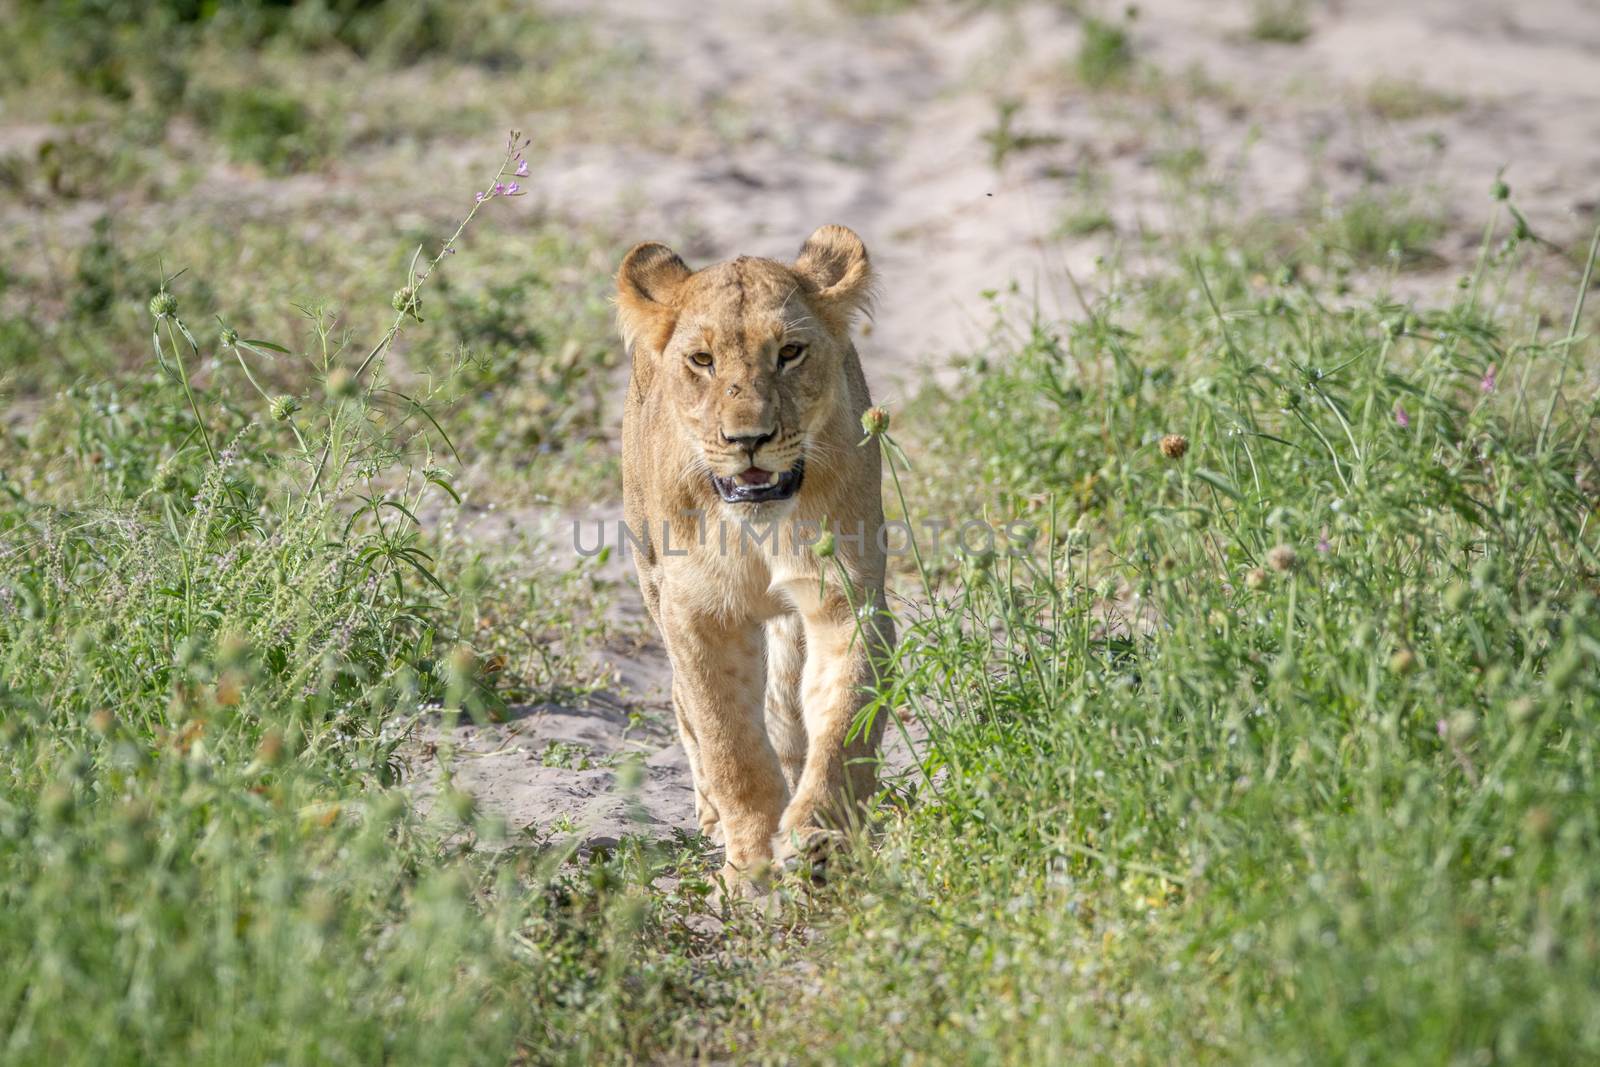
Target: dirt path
point(809, 115)
point(806, 115)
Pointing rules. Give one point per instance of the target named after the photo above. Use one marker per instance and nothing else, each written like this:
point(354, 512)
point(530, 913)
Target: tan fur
point(773, 654)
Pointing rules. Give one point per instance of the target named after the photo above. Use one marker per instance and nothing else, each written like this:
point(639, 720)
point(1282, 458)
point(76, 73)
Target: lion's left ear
point(833, 265)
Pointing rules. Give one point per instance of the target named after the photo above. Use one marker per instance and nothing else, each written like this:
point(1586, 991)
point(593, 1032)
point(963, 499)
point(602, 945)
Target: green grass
point(1006, 138)
point(1280, 21)
point(1399, 100)
point(1105, 54)
point(1085, 222)
point(1376, 227)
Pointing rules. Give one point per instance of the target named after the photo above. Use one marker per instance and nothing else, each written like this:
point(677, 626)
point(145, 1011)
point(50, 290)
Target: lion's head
point(750, 353)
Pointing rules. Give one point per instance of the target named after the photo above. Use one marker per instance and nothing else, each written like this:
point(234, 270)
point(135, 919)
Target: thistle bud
point(229, 689)
point(1174, 445)
point(1499, 190)
point(1282, 559)
point(1255, 578)
point(229, 337)
point(163, 304)
point(283, 408)
point(875, 422)
point(1539, 823)
point(825, 546)
point(407, 302)
point(460, 805)
point(1403, 661)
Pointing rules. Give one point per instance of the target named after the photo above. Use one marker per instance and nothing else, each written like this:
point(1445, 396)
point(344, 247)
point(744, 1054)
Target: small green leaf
point(1219, 483)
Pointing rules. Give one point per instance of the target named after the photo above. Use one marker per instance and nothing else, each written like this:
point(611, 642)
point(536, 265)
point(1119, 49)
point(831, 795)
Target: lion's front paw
point(753, 885)
point(806, 850)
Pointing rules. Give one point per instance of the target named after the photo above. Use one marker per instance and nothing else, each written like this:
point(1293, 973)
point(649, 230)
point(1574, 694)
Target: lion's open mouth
point(757, 486)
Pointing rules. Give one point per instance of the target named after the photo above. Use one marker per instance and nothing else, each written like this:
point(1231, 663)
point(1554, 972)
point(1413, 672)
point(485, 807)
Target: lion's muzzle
point(757, 486)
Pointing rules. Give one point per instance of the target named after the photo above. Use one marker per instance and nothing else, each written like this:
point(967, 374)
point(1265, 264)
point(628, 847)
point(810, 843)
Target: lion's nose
point(747, 441)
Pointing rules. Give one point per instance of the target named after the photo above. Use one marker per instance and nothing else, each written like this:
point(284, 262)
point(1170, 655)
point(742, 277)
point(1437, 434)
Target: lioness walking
point(741, 443)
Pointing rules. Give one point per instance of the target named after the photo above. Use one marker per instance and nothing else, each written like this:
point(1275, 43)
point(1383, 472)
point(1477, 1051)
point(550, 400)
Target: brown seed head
point(230, 689)
point(270, 750)
point(1539, 823)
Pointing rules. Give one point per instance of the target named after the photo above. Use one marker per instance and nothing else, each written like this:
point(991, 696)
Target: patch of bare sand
point(810, 115)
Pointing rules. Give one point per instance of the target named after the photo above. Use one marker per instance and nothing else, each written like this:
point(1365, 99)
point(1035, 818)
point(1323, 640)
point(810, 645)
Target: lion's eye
point(790, 353)
point(701, 359)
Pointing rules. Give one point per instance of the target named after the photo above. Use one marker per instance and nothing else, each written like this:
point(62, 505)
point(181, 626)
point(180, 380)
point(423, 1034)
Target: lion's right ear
point(647, 290)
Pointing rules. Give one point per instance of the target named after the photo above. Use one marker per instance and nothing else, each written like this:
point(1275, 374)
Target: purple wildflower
point(1443, 727)
point(480, 197)
point(499, 188)
point(522, 168)
point(1401, 419)
point(1487, 384)
point(513, 189)
point(1323, 545)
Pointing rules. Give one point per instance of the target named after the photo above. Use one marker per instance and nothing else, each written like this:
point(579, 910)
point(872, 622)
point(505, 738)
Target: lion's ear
point(834, 266)
point(647, 288)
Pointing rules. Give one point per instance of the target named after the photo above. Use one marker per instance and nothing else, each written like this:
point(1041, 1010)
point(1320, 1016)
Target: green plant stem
point(1568, 341)
point(188, 391)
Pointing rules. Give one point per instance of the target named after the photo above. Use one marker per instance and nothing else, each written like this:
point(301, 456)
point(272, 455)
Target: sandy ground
point(813, 117)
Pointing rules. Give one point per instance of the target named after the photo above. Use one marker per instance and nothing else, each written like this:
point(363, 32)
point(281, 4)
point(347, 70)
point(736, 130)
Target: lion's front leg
point(705, 812)
point(786, 726)
point(718, 674)
point(839, 675)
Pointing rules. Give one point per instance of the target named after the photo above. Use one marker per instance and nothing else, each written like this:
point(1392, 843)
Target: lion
point(754, 506)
